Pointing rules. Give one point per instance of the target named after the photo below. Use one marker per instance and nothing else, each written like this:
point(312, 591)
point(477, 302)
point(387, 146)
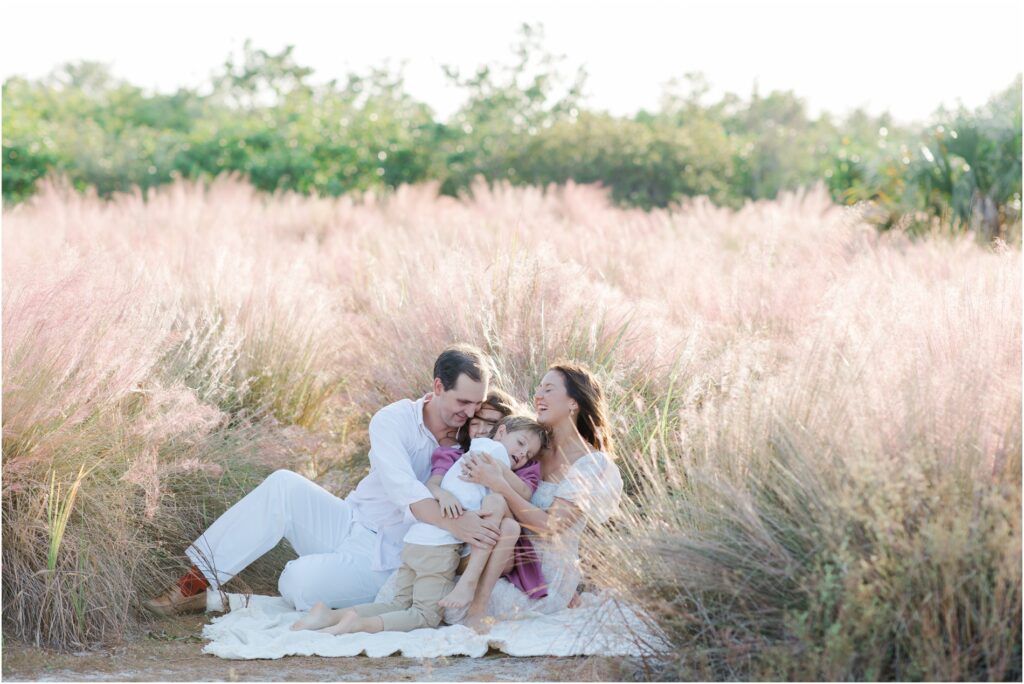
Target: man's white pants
point(334, 551)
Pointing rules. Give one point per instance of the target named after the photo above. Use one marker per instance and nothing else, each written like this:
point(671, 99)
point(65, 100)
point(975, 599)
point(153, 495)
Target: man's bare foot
point(318, 616)
point(461, 596)
point(348, 623)
point(481, 624)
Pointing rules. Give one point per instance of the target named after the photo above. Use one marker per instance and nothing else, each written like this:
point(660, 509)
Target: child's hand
point(450, 506)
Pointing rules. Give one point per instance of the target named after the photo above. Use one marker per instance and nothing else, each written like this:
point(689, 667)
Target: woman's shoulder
point(595, 468)
point(594, 461)
point(594, 483)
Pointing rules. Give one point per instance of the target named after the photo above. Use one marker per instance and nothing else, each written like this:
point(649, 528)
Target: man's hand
point(478, 529)
point(451, 507)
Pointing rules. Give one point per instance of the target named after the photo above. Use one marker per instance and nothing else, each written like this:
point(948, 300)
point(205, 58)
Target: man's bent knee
point(282, 477)
point(289, 585)
point(297, 587)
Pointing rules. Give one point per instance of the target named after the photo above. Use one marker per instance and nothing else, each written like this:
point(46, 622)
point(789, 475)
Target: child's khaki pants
point(426, 575)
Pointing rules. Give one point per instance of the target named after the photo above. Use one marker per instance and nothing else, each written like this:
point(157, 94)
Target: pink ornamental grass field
point(819, 425)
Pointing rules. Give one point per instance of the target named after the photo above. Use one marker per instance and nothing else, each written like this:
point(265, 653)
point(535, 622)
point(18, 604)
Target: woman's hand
point(482, 469)
point(451, 507)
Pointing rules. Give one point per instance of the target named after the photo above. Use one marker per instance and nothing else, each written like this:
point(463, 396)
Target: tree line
point(523, 121)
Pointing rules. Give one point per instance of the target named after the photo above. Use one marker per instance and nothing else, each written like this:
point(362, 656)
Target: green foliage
point(505, 109)
point(964, 168)
point(524, 122)
point(972, 164)
point(644, 164)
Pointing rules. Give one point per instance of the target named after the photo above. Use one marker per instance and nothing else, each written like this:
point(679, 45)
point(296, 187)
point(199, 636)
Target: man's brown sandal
point(173, 602)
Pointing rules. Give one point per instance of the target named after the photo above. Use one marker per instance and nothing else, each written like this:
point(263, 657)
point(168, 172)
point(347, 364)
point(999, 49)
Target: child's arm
point(517, 484)
point(434, 484)
point(450, 505)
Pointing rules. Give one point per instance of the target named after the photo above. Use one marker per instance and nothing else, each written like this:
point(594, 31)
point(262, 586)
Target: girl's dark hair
point(592, 419)
point(500, 401)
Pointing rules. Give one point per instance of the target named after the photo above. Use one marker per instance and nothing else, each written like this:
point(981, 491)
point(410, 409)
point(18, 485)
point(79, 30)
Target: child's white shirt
point(469, 494)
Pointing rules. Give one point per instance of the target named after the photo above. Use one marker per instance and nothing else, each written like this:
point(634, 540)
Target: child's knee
point(494, 502)
point(510, 528)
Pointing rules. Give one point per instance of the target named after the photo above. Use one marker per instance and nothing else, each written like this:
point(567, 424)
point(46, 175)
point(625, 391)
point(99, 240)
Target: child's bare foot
point(461, 596)
point(481, 624)
point(318, 616)
point(346, 624)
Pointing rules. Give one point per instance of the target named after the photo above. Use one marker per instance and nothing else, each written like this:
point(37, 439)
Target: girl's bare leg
point(465, 588)
point(498, 564)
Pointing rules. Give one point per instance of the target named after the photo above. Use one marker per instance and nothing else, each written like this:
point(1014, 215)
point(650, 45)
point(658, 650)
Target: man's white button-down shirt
point(400, 451)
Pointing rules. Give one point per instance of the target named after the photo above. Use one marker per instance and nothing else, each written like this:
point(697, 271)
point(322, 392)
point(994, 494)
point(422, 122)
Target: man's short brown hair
point(460, 359)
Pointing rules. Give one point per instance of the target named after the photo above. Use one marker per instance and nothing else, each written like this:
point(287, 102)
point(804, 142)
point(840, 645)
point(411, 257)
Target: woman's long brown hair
point(584, 388)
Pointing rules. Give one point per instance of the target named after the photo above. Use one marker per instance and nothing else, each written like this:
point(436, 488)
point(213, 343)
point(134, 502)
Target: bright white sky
point(904, 56)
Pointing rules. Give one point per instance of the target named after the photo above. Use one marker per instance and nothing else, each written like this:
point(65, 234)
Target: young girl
point(496, 406)
point(430, 554)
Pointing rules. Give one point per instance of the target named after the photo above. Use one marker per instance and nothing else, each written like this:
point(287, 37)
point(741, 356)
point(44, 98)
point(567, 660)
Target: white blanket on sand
point(258, 627)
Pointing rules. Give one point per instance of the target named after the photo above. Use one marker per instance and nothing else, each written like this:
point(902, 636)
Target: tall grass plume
point(819, 425)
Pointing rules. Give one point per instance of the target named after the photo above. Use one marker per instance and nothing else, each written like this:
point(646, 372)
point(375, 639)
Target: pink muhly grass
point(75, 343)
point(810, 415)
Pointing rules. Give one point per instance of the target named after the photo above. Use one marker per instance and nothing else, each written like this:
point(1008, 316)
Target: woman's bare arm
point(488, 472)
point(517, 484)
point(562, 514)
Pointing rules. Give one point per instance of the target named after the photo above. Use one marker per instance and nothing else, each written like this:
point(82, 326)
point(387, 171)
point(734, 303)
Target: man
point(347, 547)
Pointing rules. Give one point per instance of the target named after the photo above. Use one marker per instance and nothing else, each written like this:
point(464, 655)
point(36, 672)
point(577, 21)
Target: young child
point(431, 555)
point(496, 406)
point(523, 478)
point(526, 572)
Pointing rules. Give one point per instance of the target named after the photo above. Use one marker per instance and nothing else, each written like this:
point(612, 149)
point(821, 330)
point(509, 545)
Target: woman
point(579, 482)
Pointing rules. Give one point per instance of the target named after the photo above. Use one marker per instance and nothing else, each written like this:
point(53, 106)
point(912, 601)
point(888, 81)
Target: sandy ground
point(172, 651)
